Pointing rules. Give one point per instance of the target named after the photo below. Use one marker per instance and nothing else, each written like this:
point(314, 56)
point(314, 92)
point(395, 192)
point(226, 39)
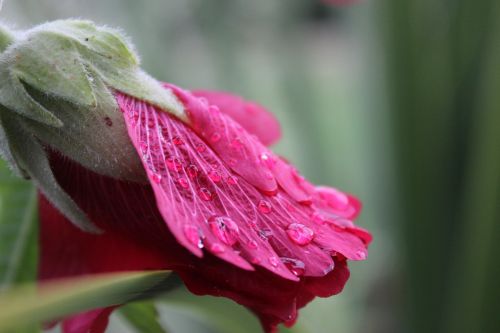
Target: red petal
point(251, 116)
point(199, 207)
point(94, 321)
point(136, 238)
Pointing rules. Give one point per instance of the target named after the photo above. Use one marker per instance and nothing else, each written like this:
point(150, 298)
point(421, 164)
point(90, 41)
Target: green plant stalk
point(30, 304)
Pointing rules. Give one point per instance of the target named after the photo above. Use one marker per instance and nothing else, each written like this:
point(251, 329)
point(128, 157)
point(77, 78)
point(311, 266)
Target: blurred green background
point(396, 101)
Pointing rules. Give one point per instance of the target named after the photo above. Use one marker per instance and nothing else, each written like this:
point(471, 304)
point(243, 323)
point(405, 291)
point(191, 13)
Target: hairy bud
point(57, 86)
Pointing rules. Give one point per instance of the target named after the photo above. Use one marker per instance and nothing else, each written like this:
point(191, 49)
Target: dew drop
point(265, 233)
point(300, 234)
point(205, 194)
point(215, 137)
point(192, 171)
point(174, 164)
point(201, 147)
point(317, 218)
point(268, 160)
point(177, 141)
point(151, 123)
point(264, 207)
point(274, 261)
point(329, 269)
point(297, 267)
point(214, 176)
point(269, 175)
point(156, 177)
point(232, 162)
point(341, 223)
point(237, 143)
point(252, 244)
point(217, 248)
point(255, 260)
point(232, 180)
point(225, 229)
point(192, 234)
point(183, 182)
point(214, 109)
point(361, 255)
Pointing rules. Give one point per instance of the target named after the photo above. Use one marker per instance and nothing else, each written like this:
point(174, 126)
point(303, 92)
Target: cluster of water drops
point(162, 164)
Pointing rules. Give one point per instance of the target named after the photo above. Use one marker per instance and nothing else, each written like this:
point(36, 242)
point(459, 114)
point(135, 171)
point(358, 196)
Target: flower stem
point(6, 37)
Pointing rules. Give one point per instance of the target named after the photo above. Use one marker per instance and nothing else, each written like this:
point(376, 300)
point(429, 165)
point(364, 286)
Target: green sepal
point(32, 158)
point(64, 58)
point(107, 150)
point(13, 95)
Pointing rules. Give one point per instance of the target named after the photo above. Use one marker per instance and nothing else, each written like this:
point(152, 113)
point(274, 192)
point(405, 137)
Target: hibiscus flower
point(189, 187)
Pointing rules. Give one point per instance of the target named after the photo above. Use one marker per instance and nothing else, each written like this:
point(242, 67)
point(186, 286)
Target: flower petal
point(136, 238)
point(251, 116)
point(94, 321)
point(208, 204)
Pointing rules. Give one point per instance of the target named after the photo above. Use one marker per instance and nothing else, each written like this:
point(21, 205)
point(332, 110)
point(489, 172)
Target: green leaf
point(18, 232)
point(143, 317)
point(52, 300)
point(184, 312)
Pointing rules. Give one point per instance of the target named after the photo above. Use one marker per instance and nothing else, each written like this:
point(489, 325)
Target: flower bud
point(57, 86)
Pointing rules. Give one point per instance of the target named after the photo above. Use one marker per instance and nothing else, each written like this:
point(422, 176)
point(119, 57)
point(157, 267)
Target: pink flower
point(219, 208)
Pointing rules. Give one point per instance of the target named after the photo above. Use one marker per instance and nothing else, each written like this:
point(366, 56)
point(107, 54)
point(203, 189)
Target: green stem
point(6, 37)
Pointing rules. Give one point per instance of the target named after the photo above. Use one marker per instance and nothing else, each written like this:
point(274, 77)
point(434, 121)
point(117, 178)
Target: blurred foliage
point(27, 305)
point(395, 101)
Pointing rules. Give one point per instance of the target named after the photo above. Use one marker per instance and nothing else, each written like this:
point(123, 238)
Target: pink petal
point(240, 222)
point(240, 150)
point(136, 238)
point(251, 116)
point(94, 321)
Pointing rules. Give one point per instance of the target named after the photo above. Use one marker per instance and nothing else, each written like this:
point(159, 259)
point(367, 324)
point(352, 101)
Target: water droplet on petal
point(255, 260)
point(183, 182)
point(156, 177)
point(232, 162)
point(297, 267)
point(215, 137)
point(214, 176)
point(265, 233)
point(264, 207)
point(192, 171)
point(341, 223)
point(361, 255)
point(214, 109)
point(177, 141)
point(269, 175)
point(252, 244)
point(274, 261)
point(174, 164)
point(268, 160)
point(205, 194)
point(217, 248)
point(225, 229)
point(192, 234)
point(201, 147)
point(237, 143)
point(317, 218)
point(329, 269)
point(300, 234)
point(232, 180)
